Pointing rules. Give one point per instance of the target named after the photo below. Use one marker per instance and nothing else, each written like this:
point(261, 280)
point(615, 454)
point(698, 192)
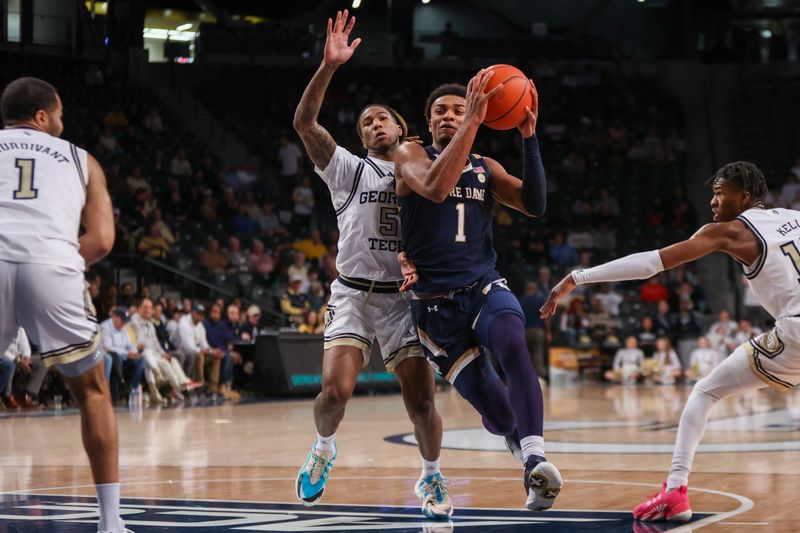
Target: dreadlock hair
point(454, 89)
point(742, 175)
point(404, 137)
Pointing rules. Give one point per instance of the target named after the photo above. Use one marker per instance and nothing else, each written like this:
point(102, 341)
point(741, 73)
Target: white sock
point(325, 444)
point(532, 445)
point(429, 467)
point(108, 501)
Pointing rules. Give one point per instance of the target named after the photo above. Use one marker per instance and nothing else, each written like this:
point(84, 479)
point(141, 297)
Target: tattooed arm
point(318, 142)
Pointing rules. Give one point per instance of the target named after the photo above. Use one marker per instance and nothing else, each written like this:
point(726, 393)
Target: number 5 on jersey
point(25, 190)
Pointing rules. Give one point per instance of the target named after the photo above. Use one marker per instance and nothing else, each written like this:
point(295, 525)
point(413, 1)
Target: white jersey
point(363, 195)
point(42, 193)
point(775, 275)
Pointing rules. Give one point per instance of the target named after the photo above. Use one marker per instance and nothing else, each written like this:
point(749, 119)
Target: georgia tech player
point(365, 300)
point(49, 189)
point(766, 244)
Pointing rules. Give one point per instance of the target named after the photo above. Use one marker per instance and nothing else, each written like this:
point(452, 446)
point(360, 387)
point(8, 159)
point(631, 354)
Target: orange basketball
point(506, 109)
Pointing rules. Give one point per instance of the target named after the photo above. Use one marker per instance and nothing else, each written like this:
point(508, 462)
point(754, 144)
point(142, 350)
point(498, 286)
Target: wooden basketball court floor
point(232, 467)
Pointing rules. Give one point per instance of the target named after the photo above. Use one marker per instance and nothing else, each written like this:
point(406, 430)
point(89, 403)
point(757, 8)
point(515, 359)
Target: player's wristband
point(534, 183)
point(635, 266)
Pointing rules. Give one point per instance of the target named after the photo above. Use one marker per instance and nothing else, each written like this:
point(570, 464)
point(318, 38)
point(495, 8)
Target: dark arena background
point(188, 106)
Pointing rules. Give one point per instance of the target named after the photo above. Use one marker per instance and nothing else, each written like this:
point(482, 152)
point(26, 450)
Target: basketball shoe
point(313, 476)
point(436, 502)
point(543, 482)
point(672, 506)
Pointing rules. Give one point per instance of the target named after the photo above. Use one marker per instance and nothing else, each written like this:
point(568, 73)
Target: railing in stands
point(154, 272)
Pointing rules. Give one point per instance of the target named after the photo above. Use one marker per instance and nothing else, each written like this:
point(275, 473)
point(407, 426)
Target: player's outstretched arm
point(97, 217)
point(318, 142)
point(435, 179)
point(724, 237)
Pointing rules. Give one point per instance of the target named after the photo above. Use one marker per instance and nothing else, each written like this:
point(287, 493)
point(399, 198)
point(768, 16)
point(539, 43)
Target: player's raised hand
point(563, 288)
point(528, 127)
point(409, 271)
point(477, 97)
point(337, 50)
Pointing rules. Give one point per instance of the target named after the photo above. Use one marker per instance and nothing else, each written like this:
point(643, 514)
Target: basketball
point(506, 109)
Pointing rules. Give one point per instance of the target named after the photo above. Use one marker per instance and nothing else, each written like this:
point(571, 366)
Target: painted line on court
point(745, 504)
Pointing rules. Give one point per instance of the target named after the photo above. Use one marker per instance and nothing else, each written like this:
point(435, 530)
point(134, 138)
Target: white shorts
point(52, 305)
point(355, 318)
point(775, 359)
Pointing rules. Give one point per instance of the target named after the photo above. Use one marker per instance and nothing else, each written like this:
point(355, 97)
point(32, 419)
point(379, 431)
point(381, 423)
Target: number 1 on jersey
point(791, 251)
point(26, 190)
point(462, 212)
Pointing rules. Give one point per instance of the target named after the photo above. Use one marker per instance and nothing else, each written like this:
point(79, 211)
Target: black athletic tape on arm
point(534, 183)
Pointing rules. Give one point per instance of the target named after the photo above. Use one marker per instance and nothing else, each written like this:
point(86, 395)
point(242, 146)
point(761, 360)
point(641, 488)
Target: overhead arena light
point(184, 27)
point(356, 4)
point(426, 1)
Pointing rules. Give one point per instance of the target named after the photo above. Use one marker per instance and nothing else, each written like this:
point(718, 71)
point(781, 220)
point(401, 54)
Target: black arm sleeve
point(534, 183)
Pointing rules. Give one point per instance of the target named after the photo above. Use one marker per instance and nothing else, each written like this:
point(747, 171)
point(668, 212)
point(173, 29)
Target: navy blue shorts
point(453, 328)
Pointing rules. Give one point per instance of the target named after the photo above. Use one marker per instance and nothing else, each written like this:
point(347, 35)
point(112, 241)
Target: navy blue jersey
point(451, 243)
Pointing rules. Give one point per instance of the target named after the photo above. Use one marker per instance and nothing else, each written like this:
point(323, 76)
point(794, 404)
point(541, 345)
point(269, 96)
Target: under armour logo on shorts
point(433, 308)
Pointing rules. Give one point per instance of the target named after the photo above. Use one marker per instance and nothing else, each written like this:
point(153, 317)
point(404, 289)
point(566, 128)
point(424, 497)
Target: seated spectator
point(561, 253)
point(702, 361)
point(194, 351)
point(647, 336)
point(136, 181)
point(163, 229)
point(152, 122)
point(745, 332)
point(233, 320)
point(221, 337)
point(789, 190)
point(108, 142)
point(238, 259)
point(126, 295)
point(212, 259)
point(606, 205)
point(663, 320)
point(159, 365)
point(628, 363)
point(30, 367)
point(729, 326)
point(654, 291)
point(242, 224)
point(582, 207)
point(686, 322)
point(268, 222)
point(252, 327)
point(299, 269)
point(311, 324)
point(116, 118)
point(605, 240)
point(545, 281)
point(303, 200)
point(153, 244)
point(294, 303)
point(666, 367)
point(580, 239)
point(262, 262)
point(609, 299)
point(316, 291)
point(312, 247)
point(172, 325)
point(601, 323)
point(159, 321)
point(536, 329)
point(180, 165)
point(127, 365)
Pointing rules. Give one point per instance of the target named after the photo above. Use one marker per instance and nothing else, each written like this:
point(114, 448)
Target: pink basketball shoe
point(666, 506)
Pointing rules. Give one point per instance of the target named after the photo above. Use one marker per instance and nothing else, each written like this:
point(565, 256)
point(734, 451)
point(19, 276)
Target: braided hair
point(742, 175)
point(404, 137)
